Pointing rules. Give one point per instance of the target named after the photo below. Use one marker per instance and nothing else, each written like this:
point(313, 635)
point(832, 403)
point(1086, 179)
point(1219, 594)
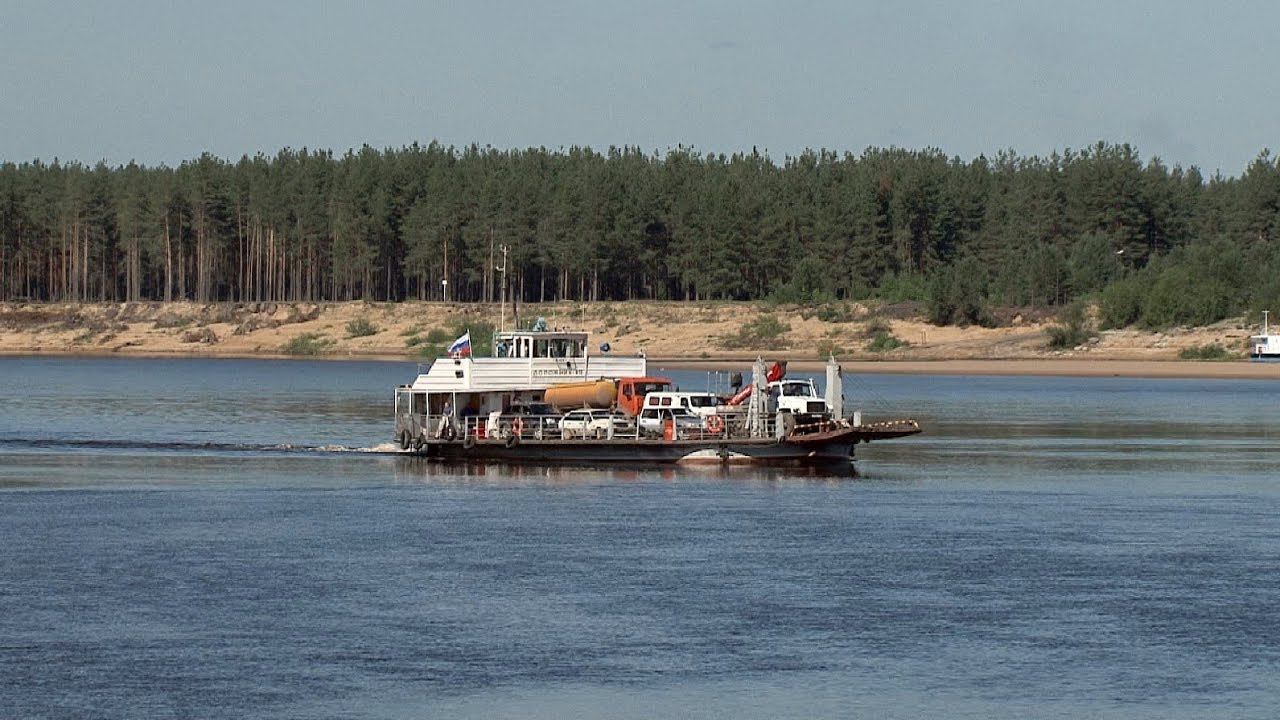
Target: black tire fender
point(404, 439)
point(512, 441)
point(469, 441)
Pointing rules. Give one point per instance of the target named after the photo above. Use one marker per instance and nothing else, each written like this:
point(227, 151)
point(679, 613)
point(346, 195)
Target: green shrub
point(436, 336)
point(1181, 296)
point(360, 327)
point(895, 288)
point(767, 327)
point(307, 344)
point(831, 313)
point(957, 295)
point(1072, 331)
point(884, 342)
point(1065, 337)
point(764, 329)
point(172, 320)
point(829, 347)
point(431, 350)
point(877, 327)
point(1212, 351)
point(1121, 302)
point(1195, 285)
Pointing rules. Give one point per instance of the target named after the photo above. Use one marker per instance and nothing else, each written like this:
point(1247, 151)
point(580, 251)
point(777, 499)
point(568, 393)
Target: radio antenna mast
point(502, 311)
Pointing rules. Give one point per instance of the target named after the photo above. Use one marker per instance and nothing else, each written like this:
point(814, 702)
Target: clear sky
point(1193, 82)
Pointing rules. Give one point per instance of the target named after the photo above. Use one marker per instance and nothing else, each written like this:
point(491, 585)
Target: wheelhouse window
point(795, 390)
point(538, 346)
point(649, 387)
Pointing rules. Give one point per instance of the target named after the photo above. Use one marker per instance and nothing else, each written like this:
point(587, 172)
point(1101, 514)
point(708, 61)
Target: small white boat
point(1265, 347)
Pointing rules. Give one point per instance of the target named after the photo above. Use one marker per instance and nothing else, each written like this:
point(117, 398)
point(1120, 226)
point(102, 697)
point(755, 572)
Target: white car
point(653, 419)
point(591, 423)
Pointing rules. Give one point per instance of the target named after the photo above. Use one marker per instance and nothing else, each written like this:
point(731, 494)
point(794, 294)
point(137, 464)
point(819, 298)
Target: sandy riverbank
point(674, 335)
point(1062, 368)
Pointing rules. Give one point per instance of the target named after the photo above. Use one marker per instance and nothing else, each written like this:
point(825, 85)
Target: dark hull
point(815, 448)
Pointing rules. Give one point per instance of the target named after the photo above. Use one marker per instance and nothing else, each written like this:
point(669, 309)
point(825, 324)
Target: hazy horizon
point(159, 83)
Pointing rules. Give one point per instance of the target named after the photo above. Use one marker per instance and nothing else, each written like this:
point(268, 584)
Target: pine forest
point(1150, 243)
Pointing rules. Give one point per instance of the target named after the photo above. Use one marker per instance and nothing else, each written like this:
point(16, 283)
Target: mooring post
point(758, 407)
point(835, 388)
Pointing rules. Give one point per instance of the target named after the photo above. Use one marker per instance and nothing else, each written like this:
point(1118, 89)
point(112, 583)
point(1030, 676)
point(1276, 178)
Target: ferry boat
point(501, 408)
point(1265, 347)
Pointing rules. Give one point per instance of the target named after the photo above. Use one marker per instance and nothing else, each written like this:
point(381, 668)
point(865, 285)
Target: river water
point(222, 539)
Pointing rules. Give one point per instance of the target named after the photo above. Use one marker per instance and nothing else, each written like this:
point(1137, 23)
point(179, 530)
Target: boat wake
point(205, 447)
point(389, 448)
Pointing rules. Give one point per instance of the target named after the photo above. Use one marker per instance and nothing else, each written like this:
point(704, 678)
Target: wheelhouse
point(534, 344)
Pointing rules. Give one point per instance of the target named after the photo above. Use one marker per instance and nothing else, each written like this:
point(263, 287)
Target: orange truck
point(624, 394)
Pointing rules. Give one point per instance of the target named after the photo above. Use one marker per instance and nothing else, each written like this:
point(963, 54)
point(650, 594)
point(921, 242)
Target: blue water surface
point(223, 539)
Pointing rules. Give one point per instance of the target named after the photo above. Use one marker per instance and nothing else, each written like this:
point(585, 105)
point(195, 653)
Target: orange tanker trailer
point(624, 394)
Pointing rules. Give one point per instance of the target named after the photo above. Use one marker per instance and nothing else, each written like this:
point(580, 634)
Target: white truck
point(798, 397)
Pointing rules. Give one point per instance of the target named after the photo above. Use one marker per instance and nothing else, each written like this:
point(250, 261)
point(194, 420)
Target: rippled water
point(221, 539)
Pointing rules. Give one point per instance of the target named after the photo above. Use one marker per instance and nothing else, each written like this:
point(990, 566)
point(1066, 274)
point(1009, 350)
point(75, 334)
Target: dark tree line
point(394, 224)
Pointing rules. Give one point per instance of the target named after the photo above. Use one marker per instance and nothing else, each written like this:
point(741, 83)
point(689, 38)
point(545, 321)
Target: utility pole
point(502, 308)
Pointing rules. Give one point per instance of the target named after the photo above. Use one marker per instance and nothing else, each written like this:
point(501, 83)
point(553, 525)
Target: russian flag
point(461, 347)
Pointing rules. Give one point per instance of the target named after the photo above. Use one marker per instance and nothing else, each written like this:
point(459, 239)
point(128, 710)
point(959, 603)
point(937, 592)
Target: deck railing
point(502, 428)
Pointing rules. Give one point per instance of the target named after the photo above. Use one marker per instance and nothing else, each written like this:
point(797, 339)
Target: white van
point(701, 404)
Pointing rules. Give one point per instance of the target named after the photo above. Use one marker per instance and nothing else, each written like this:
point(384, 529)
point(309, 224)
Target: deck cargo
point(588, 394)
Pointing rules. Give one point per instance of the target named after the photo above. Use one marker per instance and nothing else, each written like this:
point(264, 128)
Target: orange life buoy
point(715, 424)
